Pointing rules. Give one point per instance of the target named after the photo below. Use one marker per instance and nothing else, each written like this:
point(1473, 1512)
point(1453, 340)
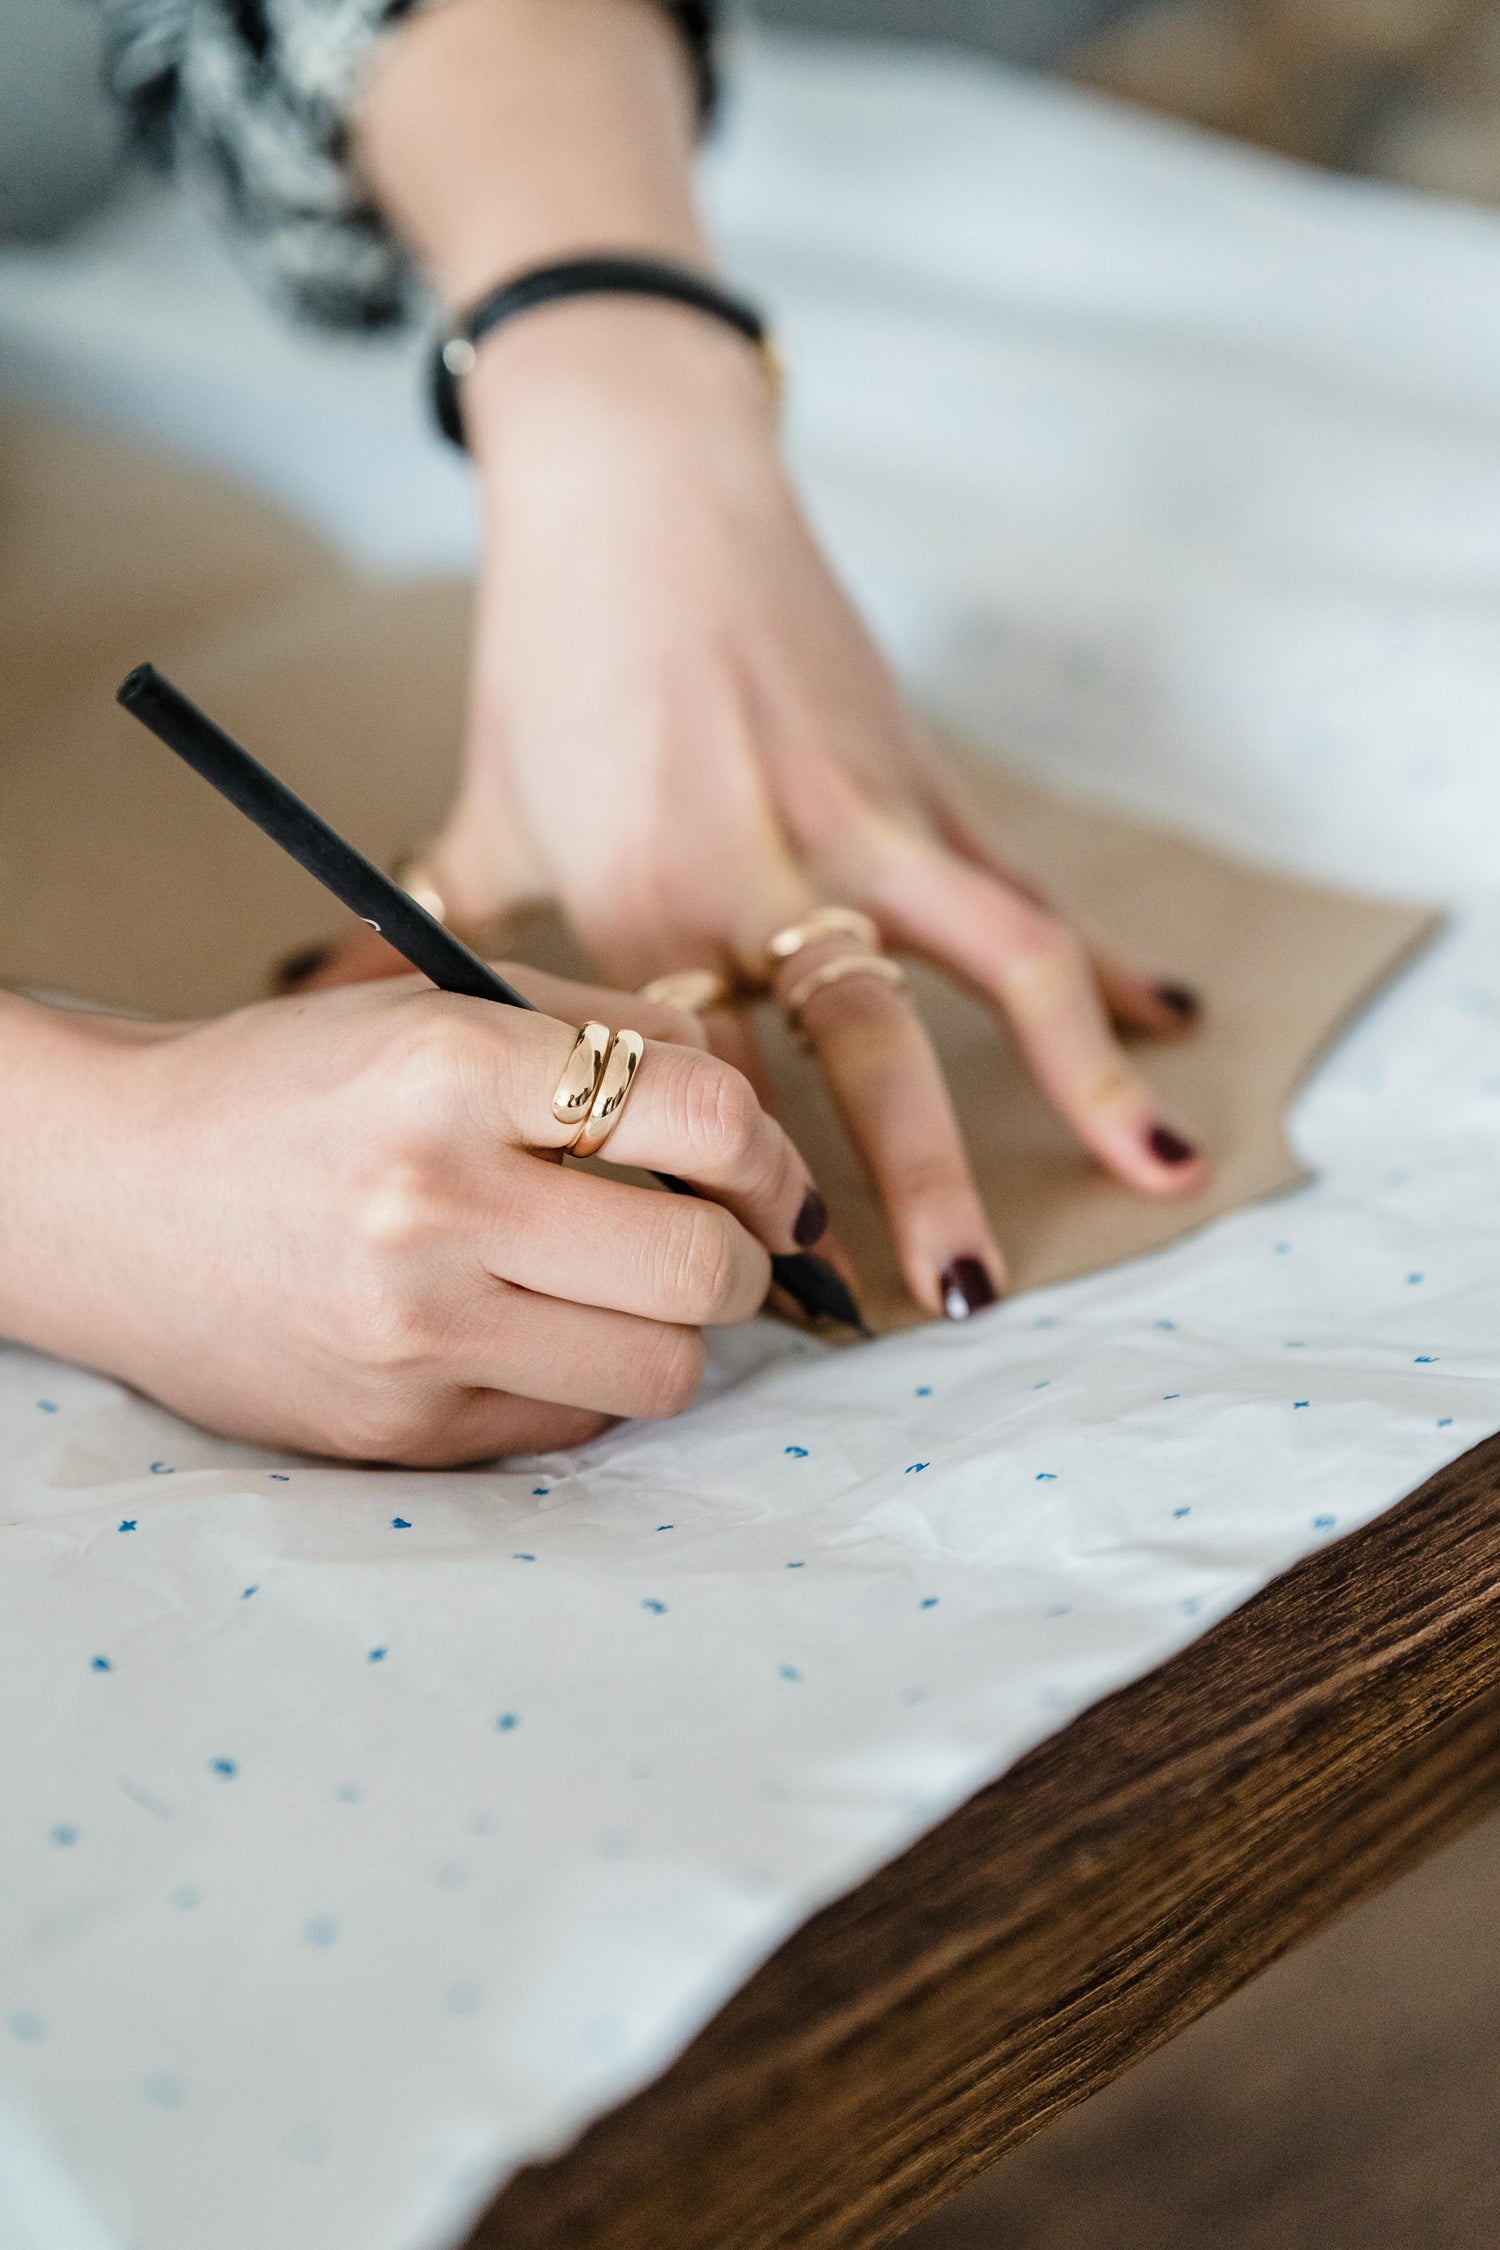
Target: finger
point(631, 1250)
point(688, 1113)
point(577, 1355)
point(1139, 995)
point(579, 1004)
point(1037, 970)
point(890, 1092)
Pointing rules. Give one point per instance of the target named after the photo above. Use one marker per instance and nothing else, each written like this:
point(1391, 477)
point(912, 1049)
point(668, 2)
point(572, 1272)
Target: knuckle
point(670, 1370)
point(727, 1114)
point(398, 1206)
point(704, 1269)
point(384, 1421)
point(1045, 959)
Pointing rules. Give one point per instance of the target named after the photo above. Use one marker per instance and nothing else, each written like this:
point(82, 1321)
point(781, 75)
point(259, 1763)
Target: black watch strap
point(454, 353)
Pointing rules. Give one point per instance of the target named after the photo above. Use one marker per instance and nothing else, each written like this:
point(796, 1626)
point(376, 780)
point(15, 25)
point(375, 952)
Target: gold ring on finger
point(579, 1082)
point(834, 972)
point(618, 1076)
point(695, 990)
point(828, 921)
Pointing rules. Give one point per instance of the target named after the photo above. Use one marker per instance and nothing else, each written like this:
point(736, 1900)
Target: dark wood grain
point(1120, 1880)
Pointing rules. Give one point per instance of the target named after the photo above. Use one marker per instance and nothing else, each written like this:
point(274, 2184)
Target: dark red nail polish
point(967, 1288)
point(1169, 1147)
point(1181, 999)
point(812, 1220)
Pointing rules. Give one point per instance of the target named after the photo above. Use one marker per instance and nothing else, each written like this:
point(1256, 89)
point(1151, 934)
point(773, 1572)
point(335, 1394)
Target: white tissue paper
point(368, 1833)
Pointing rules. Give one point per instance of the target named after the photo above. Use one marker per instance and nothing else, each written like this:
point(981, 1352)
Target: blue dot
point(797, 1452)
point(540, 1491)
point(162, 1469)
point(1446, 1423)
point(796, 1566)
point(186, 1897)
point(1295, 1344)
point(789, 1672)
point(1046, 1476)
point(126, 1523)
point(349, 1793)
point(47, 1405)
point(913, 1695)
point(64, 1833)
point(100, 1664)
point(1182, 1511)
point(165, 2088)
point(321, 1930)
point(225, 1767)
point(25, 2023)
point(521, 1557)
point(924, 1390)
point(1059, 1609)
point(929, 1601)
point(1191, 1605)
point(1043, 1384)
point(507, 1722)
point(915, 1468)
point(1413, 1278)
point(657, 1609)
point(1166, 1396)
point(1281, 1248)
point(280, 1476)
point(1301, 1402)
point(1324, 1523)
point(399, 1523)
point(248, 1591)
point(1425, 1359)
point(1048, 1320)
point(1169, 1325)
point(462, 1999)
point(376, 1656)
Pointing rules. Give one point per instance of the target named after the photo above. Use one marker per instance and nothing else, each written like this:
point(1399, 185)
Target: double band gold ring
point(595, 1085)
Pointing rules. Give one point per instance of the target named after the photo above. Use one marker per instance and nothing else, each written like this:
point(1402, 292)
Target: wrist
point(638, 362)
point(66, 1103)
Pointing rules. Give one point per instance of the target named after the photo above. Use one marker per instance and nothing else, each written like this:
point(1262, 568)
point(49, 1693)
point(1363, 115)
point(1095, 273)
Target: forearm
point(499, 133)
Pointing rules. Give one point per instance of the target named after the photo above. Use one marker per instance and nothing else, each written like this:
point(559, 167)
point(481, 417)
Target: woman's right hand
point(340, 1221)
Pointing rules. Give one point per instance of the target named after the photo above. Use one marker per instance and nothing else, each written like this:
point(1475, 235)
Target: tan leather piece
point(124, 879)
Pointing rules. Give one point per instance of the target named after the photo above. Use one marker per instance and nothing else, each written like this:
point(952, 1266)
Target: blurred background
point(1352, 2095)
point(1405, 90)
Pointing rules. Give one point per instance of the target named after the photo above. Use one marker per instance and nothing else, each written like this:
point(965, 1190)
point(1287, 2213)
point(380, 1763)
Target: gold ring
point(696, 990)
point(581, 1075)
point(834, 972)
point(621, 1065)
point(828, 921)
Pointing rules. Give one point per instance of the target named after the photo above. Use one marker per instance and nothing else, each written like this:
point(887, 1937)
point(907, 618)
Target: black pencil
point(280, 814)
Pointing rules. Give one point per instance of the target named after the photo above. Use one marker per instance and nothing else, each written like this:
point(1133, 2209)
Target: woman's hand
point(339, 1222)
point(681, 730)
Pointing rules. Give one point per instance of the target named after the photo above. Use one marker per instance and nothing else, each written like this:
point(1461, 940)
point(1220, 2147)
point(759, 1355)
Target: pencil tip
point(819, 1289)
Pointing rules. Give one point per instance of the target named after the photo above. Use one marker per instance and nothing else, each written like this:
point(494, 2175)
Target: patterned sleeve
point(256, 95)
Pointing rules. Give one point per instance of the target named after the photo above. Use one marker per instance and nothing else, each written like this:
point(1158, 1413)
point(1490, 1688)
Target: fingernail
point(1169, 1147)
point(967, 1288)
point(1180, 998)
point(298, 967)
point(812, 1220)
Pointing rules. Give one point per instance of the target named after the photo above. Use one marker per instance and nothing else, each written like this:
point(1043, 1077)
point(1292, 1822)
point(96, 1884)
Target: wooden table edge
point(1114, 1884)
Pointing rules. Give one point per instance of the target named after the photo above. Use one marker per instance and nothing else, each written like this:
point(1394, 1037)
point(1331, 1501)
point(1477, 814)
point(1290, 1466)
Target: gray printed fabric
point(255, 96)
